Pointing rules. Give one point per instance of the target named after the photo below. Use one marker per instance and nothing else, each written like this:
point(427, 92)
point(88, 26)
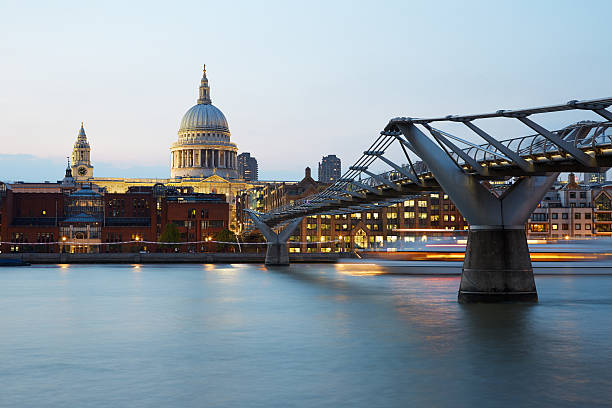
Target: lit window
point(555, 227)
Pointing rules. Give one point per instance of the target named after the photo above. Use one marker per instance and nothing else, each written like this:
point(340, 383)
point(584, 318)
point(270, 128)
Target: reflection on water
point(305, 335)
point(359, 269)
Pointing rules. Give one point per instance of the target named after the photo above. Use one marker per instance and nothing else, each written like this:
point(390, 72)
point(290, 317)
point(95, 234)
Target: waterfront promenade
point(145, 258)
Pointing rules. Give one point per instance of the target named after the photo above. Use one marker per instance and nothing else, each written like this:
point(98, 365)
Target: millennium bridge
point(497, 266)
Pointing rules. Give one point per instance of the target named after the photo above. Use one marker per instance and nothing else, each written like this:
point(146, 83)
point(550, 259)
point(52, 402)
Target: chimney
point(572, 181)
point(307, 173)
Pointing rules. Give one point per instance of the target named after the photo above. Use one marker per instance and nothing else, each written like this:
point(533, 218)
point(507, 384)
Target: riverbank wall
point(145, 258)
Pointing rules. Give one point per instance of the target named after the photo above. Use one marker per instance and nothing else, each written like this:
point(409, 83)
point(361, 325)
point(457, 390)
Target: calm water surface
point(303, 336)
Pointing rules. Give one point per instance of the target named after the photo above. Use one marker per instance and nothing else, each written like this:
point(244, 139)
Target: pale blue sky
point(296, 80)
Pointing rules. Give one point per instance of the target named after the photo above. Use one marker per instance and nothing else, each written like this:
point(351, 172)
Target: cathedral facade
point(202, 160)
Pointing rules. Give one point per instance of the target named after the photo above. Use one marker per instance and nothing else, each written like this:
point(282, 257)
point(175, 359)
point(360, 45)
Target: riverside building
point(75, 217)
point(565, 212)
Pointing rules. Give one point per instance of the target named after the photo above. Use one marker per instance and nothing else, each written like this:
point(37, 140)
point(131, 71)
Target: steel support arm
point(402, 170)
point(284, 235)
point(404, 143)
point(578, 154)
point(604, 113)
point(519, 201)
point(474, 201)
point(459, 152)
point(354, 194)
point(363, 186)
point(383, 180)
point(264, 228)
point(518, 160)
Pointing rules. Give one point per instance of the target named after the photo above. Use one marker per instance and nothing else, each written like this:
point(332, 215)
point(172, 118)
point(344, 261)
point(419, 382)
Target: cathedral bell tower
point(81, 162)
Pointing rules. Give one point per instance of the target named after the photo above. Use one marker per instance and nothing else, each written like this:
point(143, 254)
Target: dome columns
point(187, 162)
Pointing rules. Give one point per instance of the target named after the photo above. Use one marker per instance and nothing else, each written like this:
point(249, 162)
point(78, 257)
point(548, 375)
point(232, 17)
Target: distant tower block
point(330, 169)
point(247, 167)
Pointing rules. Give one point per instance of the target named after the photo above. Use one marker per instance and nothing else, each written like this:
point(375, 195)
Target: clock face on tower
point(82, 171)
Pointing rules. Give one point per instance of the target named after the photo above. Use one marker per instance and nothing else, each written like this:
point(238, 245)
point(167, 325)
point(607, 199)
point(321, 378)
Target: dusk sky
point(296, 80)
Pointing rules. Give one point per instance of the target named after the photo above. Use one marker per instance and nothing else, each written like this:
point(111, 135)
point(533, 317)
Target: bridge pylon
point(278, 249)
point(497, 265)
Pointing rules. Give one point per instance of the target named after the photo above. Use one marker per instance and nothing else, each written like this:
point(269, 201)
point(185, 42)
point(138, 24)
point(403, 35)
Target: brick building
point(78, 217)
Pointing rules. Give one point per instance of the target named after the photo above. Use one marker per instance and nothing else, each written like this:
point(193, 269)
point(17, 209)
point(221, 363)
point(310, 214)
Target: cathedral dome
point(204, 117)
point(204, 147)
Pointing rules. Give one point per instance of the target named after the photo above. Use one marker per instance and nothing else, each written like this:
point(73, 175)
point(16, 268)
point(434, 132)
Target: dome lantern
point(204, 89)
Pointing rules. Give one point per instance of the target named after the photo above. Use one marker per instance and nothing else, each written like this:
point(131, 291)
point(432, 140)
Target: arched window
point(603, 202)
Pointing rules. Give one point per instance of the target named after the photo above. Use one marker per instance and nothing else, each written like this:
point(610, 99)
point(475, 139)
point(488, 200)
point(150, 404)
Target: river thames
point(302, 336)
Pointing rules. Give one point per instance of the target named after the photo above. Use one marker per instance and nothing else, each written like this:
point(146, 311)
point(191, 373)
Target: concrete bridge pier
point(278, 249)
point(497, 265)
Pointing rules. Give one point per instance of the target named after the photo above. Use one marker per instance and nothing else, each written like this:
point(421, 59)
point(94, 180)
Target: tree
point(170, 233)
point(252, 238)
point(225, 236)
